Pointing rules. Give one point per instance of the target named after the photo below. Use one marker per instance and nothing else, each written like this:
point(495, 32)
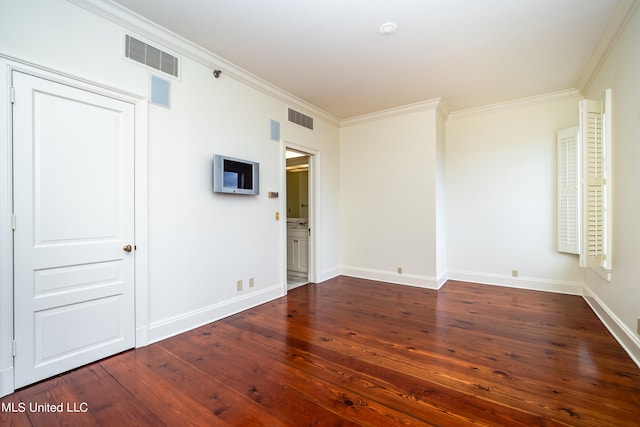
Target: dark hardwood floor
point(356, 352)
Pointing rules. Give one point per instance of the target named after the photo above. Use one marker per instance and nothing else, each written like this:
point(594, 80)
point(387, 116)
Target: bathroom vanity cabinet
point(298, 250)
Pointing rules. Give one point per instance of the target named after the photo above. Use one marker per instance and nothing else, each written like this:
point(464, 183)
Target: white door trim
point(314, 196)
point(7, 66)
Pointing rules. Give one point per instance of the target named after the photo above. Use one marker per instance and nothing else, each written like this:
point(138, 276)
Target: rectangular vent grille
point(300, 119)
point(151, 56)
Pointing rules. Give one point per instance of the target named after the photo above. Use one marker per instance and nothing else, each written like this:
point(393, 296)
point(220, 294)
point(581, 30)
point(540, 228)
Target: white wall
point(618, 302)
point(501, 196)
point(441, 200)
point(388, 169)
point(200, 243)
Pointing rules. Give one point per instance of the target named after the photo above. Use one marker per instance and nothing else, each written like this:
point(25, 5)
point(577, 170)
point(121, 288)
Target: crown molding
point(131, 21)
point(141, 26)
point(616, 25)
point(516, 103)
point(430, 104)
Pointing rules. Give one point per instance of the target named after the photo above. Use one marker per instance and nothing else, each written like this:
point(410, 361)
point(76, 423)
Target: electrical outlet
point(239, 285)
point(399, 270)
point(514, 273)
point(251, 282)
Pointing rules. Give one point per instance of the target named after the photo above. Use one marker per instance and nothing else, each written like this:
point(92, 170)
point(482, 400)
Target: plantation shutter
point(594, 248)
point(568, 191)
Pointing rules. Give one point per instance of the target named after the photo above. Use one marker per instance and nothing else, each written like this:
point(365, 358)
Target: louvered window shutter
point(568, 191)
point(594, 194)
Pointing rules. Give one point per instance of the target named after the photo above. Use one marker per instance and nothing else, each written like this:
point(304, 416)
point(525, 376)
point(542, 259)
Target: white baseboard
point(142, 337)
point(325, 275)
point(188, 321)
point(6, 382)
point(564, 287)
point(391, 277)
point(625, 337)
point(442, 279)
point(530, 283)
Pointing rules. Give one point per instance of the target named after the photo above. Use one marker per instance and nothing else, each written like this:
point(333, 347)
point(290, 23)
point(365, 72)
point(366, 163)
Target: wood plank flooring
point(353, 352)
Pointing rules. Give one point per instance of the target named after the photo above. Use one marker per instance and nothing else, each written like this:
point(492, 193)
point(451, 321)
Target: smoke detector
point(388, 29)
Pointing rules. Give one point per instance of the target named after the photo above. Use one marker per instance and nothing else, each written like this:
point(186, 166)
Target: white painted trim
point(15, 63)
point(618, 21)
point(154, 33)
point(476, 111)
point(314, 217)
point(6, 381)
point(395, 112)
point(530, 283)
point(9, 64)
point(625, 337)
point(516, 103)
point(167, 328)
point(391, 277)
point(442, 279)
point(328, 274)
point(142, 222)
point(6, 235)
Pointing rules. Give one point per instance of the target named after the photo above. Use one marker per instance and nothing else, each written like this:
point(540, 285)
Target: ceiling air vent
point(151, 56)
point(300, 119)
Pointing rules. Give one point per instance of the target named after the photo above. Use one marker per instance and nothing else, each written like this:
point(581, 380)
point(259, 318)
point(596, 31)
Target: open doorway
point(298, 219)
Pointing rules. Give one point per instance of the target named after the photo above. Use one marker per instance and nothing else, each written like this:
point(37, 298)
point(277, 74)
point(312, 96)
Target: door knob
point(127, 248)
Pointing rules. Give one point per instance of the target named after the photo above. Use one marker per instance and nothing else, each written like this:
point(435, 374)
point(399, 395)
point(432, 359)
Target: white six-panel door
point(74, 221)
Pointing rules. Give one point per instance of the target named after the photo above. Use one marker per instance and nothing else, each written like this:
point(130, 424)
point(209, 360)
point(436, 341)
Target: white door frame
point(7, 66)
point(314, 191)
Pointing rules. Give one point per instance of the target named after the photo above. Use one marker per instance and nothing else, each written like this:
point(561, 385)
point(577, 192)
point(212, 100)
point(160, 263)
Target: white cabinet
point(298, 250)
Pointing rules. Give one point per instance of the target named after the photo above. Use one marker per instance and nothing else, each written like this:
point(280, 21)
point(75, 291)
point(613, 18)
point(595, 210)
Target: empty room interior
point(319, 213)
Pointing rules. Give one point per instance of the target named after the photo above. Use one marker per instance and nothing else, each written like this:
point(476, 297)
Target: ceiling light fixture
point(388, 29)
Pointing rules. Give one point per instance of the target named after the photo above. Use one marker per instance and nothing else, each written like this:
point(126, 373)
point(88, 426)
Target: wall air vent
point(300, 119)
point(151, 56)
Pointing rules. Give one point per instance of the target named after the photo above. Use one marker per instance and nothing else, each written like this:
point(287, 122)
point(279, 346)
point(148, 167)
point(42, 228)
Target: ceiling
point(330, 53)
